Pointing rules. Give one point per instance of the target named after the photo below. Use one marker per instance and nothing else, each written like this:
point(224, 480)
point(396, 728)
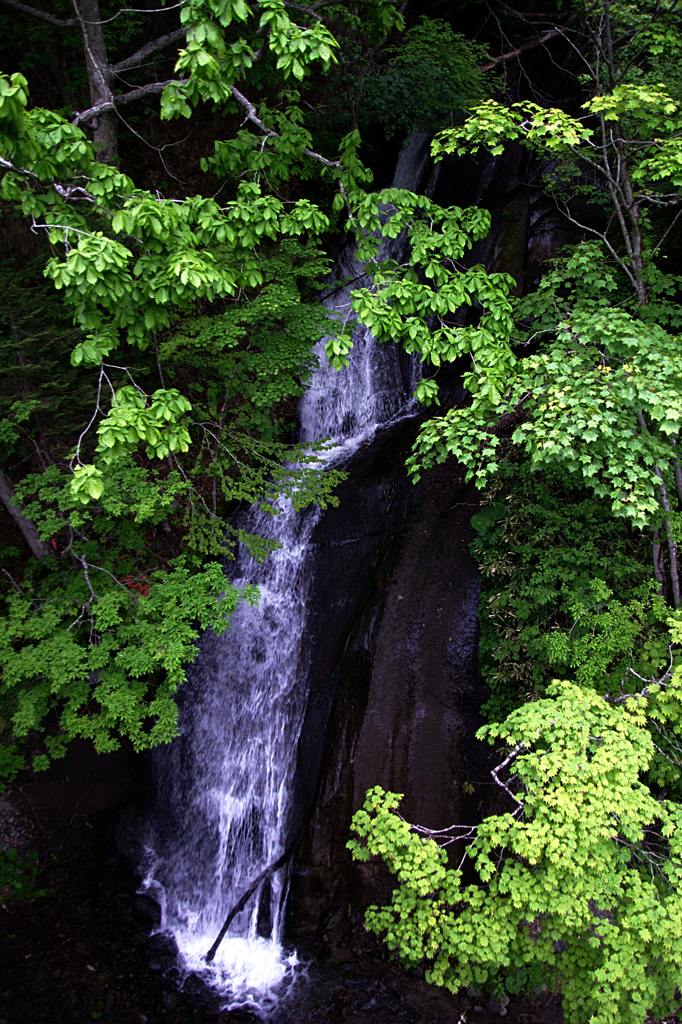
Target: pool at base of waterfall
point(247, 973)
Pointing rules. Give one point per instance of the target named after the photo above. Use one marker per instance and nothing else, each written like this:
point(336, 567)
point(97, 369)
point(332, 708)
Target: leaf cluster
point(415, 302)
point(195, 325)
point(18, 875)
point(601, 398)
point(562, 584)
point(580, 877)
point(433, 73)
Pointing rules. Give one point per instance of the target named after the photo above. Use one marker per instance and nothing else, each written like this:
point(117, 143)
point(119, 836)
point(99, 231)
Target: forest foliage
point(572, 433)
point(152, 355)
point(194, 320)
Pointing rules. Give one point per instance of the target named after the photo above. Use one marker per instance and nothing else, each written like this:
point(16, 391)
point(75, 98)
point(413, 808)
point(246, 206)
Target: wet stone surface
point(84, 953)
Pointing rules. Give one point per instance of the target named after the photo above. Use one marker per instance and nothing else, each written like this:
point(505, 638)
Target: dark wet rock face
point(391, 640)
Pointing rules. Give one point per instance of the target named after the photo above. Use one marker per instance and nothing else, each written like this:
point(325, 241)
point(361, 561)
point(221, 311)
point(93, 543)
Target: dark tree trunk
point(39, 548)
point(99, 78)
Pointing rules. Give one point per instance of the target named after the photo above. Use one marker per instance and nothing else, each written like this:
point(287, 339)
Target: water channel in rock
point(223, 789)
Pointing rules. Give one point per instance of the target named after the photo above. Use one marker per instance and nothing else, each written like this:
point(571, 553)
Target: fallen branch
point(238, 907)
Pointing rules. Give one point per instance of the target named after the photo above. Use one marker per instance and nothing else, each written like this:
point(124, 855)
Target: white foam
point(250, 973)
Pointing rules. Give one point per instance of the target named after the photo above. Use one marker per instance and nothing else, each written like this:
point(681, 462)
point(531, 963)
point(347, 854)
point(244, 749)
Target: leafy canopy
point(573, 425)
point(194, 328)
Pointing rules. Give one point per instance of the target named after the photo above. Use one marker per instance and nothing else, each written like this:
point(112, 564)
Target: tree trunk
point(29, 529)
point(99, 78)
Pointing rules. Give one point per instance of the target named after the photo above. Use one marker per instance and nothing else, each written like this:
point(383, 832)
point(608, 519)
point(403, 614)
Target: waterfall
point(223, 786)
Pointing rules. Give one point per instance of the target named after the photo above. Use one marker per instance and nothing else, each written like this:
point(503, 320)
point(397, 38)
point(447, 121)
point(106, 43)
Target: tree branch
point(147, 50)
point(530, 45)
point(658, 560)
point(252, 116)
point(39, 548)
point(678, 470)
point(310, 11)
point(562, 207)
point(504, 785)
point(84, 116)
point(659, 243)
point(66, 192)
point(7, 165)
point(25, 9)
point(128, 97)
point(559, 28)
point(672, 547)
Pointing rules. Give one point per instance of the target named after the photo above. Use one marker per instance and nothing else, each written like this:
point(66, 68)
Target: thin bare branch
point(665, 234)
point(13, 582)
point(556, 27)
point(503, 785)
point(310, 11)
point(25, 9)
point(678, 471)
point(645, 691)
point(129, 97)
point(252, 116)
point(657, 554)
point(9, 166)
point(77, 456)
point(148, 49)
point(444, 836)
point(563, 208)
point(672, 547)
point(132, 10)
point(504, 58)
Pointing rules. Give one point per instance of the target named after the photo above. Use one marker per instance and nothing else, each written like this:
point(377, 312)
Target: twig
point(30, 804)
point(672, 224)
point(14, 583)
point(503, 785)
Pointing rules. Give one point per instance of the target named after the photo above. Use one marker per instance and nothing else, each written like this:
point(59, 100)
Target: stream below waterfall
point(223, 810)
point(83, 952)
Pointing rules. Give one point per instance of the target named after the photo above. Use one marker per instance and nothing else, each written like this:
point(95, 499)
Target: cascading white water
point(223, 787)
